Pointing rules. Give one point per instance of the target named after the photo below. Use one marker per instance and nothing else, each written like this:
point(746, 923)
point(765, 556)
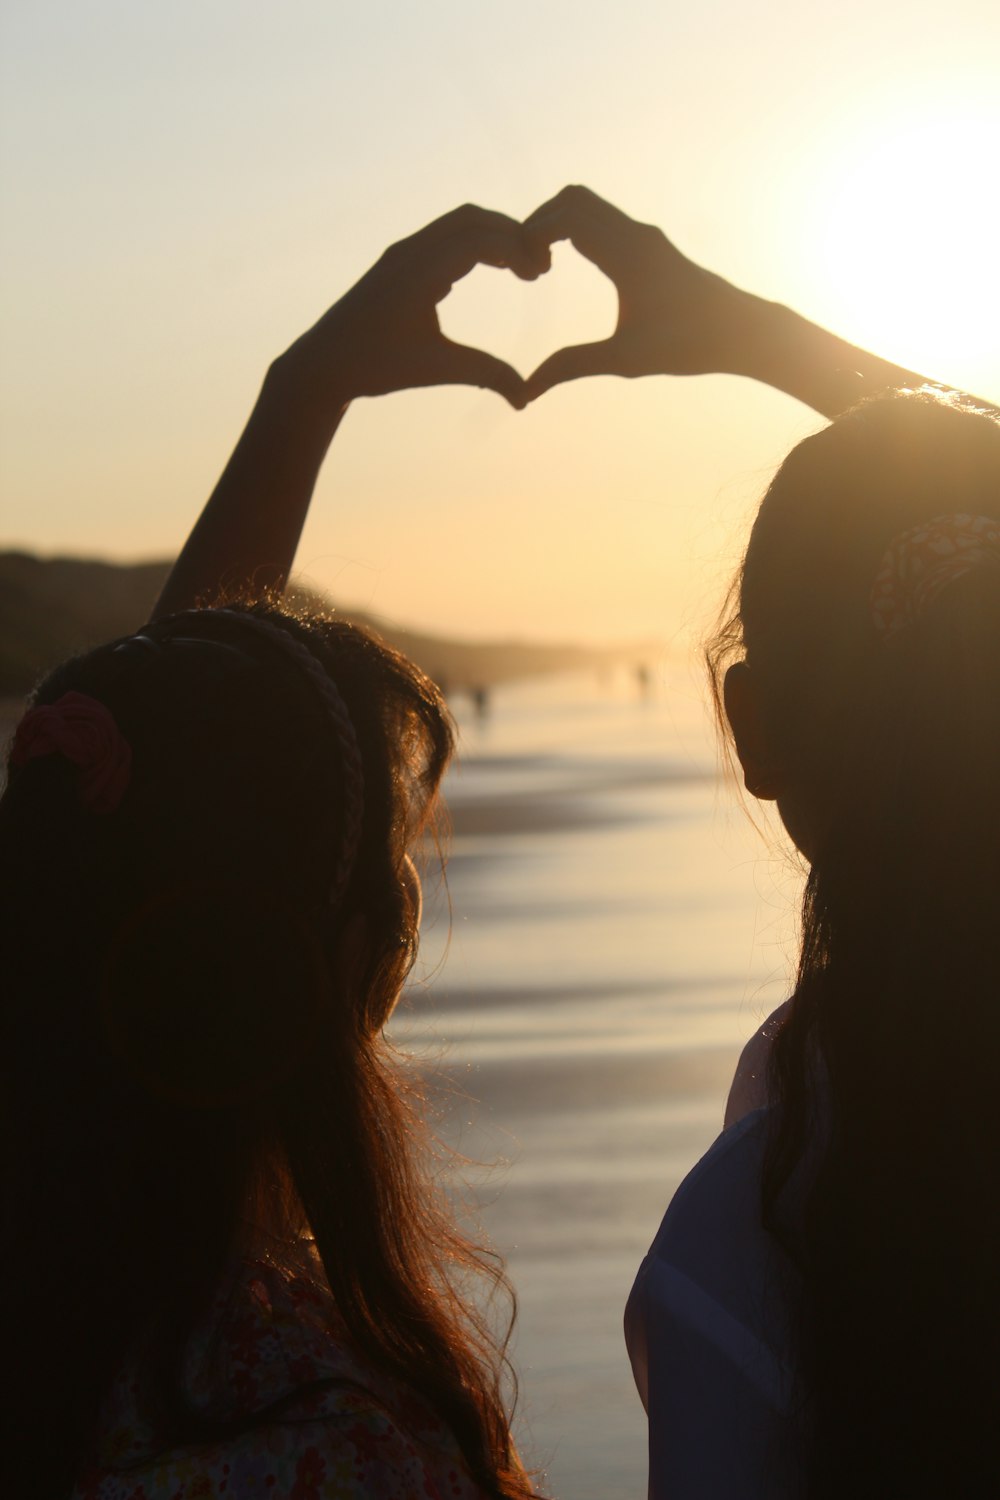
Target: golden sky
point(186, 186)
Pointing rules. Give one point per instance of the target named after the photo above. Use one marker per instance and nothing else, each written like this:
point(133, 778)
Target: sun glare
point(908, 232)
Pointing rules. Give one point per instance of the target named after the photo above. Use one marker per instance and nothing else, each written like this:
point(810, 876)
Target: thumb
point(572, 363)
point(469, 366)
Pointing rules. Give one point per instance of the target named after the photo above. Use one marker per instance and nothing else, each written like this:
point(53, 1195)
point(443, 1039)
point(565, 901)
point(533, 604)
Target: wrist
point(774, 345)
point(715, 328)
point(756, 333)
point(306, 392)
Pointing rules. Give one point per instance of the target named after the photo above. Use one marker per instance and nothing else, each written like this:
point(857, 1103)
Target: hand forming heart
point(673, 316)
point(385, 335)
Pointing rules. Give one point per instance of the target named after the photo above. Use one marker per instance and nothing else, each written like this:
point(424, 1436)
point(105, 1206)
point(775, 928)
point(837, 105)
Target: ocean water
point(611, 932)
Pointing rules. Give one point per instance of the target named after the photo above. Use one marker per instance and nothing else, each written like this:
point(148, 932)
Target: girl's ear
point(760, 776)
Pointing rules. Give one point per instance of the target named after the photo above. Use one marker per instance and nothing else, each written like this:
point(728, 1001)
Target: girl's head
point(280, 771)
point(881, 746)
point(822, 699)
point(195, 986)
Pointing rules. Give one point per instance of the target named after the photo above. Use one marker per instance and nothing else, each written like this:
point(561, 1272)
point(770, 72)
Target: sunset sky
point(186, 186)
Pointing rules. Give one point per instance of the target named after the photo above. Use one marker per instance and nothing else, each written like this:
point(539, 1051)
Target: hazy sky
point(186, 186)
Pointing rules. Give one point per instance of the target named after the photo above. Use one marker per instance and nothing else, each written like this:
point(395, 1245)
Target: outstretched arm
point(675, 318)
point(382, 336)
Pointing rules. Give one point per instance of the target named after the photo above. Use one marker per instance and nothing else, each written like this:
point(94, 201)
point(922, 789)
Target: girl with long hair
point(228, 1270)
point(818, 1313)
point(860, 670)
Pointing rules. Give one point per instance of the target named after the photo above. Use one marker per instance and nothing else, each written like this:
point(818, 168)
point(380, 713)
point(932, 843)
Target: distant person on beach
point(818, 1314)
point(228, 1270)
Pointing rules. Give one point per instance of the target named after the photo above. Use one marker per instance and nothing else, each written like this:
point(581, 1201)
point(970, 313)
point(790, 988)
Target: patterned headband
point(920, 564)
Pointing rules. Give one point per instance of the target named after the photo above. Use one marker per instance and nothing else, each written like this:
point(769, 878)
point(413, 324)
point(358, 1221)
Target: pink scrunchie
point(84, 731)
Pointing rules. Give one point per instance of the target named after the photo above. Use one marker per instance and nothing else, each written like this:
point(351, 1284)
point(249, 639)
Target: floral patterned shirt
point(274, 1337)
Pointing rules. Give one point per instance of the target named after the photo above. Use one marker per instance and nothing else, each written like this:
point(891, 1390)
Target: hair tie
point(82, 730)
point(921, 563)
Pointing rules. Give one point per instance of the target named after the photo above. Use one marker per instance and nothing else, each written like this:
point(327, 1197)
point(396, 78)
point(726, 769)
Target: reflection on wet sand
point(613, 937)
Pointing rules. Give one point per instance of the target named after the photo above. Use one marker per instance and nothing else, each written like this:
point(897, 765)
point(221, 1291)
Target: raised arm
point(675, 318)
point(383, 336)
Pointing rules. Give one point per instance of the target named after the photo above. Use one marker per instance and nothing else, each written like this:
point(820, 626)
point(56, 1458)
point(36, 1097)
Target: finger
point(572, 363)
point(575, 198)
point(447, 249)
point(593, 226)
point(460, 364)
point(489, 246)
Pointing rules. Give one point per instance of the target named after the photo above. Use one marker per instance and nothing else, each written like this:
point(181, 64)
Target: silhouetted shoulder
point(749, 1087)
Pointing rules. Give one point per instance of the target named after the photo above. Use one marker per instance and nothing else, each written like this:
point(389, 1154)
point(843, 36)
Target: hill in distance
point(51, 608)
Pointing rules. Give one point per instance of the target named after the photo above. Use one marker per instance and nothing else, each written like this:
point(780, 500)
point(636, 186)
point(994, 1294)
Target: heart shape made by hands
point(523, 322)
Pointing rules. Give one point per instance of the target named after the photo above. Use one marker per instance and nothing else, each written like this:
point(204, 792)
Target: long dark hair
point(884, 1076)
point(192, 1035)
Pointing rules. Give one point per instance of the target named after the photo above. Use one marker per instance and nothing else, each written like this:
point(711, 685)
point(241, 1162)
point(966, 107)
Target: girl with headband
point(228, 1271)
point(818, 1313)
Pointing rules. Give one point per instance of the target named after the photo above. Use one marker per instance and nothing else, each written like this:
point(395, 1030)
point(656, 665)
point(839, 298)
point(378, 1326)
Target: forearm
point(245, 538)
point(382, 336)
point(777, 346)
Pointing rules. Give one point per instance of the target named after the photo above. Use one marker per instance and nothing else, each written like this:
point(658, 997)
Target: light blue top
point(707, 1329)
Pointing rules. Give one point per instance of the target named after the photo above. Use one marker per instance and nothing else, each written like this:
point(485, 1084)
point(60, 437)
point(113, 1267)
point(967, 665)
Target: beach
point(612, 932)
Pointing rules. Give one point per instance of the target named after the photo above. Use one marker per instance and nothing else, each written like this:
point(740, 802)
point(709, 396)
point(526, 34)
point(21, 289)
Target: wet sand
point(613, 939)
